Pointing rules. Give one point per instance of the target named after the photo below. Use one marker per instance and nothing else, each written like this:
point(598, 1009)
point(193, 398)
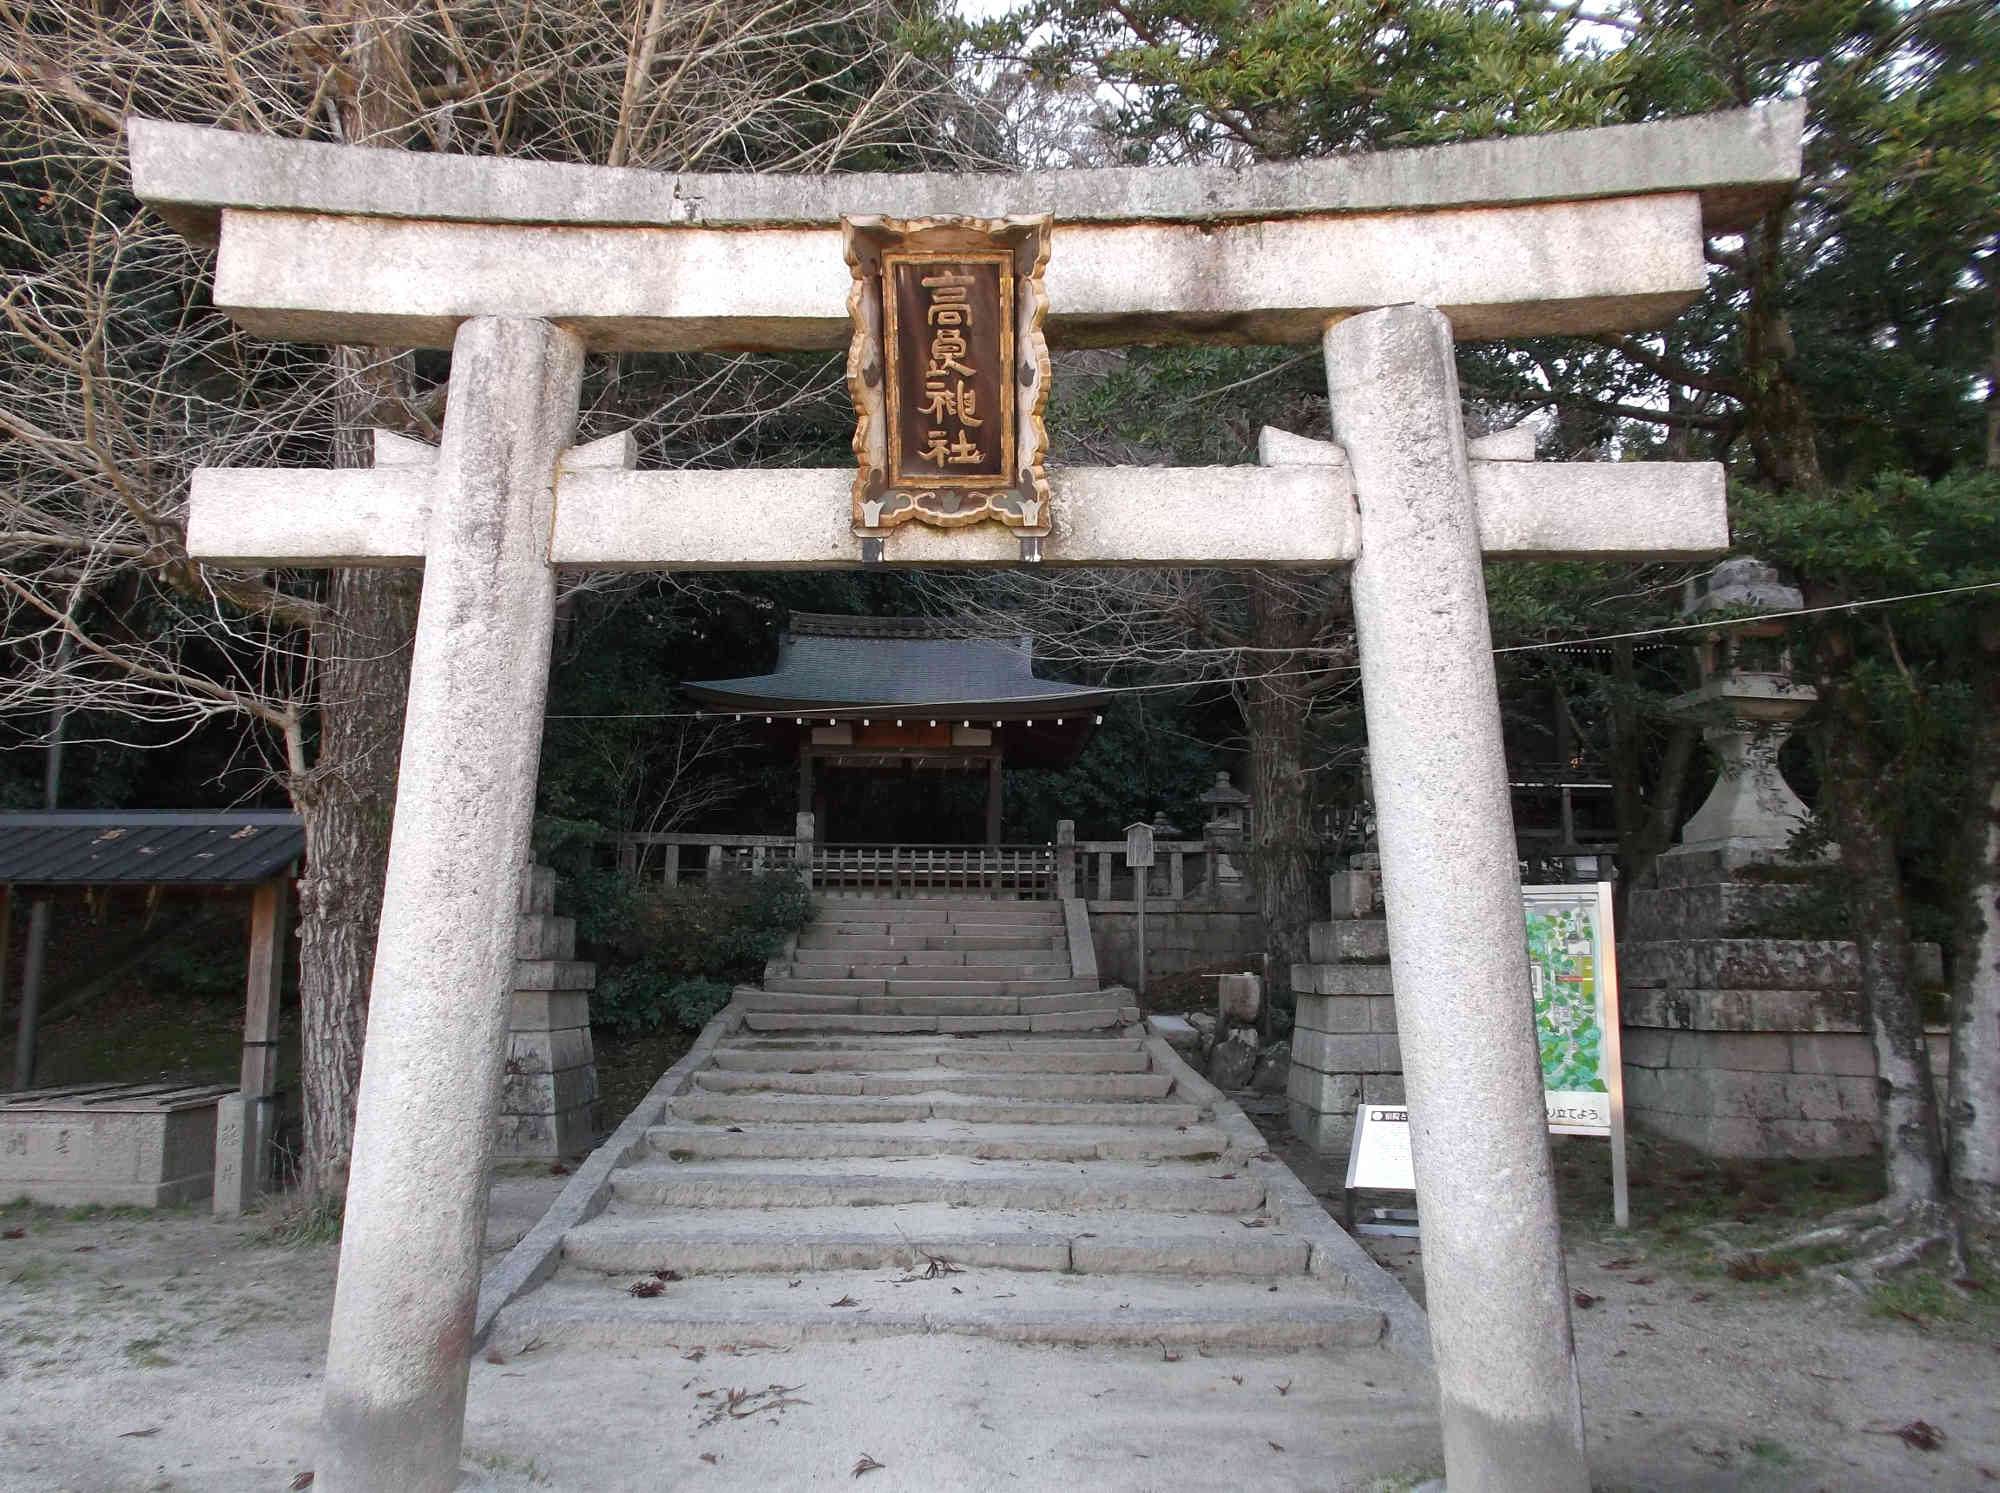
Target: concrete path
point(925, 1123)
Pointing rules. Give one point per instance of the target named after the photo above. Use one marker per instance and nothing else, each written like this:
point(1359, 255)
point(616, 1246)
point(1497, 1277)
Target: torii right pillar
point(1495, 1286)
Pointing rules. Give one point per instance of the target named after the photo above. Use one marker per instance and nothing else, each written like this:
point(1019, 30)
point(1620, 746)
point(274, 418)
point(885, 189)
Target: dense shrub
point(668, 955)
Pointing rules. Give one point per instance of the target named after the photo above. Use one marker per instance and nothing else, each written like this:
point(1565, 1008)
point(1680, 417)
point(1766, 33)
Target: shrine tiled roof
point(103, 848)
point(855, 662)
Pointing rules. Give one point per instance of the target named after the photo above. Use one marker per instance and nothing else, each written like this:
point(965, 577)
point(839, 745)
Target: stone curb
point(1335, 1253)
point(1082, 943)
point(533, 1260)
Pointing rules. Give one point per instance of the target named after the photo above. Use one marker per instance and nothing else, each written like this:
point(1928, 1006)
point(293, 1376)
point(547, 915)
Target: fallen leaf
point(557, 1169)
point(644, 1288)
point(494, 1355)
point(1623, 1262)
point(844, 1301)
point(667, 1275)
point(149, 1431)
point(533, 1344)
point(1643, 1327)
point(15, 1234)
point(1583, 1299)
point(84, 1249)
point(711, 1458)
point(1619, 1354)
point(866, 1464)
point(303, 1480)
point(1640, 1280)
point(695, 1355)
point(1701, 1295)
point(1169, 1357)
point(1274, 1446)
point(1283, 1389)
point(734, 1129)
point(1920, 1434)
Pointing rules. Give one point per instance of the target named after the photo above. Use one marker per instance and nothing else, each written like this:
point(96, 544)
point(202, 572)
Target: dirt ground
point(167, 1351)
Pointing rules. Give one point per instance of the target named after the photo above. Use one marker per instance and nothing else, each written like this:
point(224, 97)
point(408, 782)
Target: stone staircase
point(941, 966)
point(926, 1122)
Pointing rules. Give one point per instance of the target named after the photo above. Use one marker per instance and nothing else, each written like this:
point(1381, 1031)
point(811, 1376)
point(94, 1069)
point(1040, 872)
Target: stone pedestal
point(1344, 1048)
point(548, 1099)
point(1740, 1046)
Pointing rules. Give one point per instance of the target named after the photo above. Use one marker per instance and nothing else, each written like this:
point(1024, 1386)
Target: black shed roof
point(856, 662)
point(93, 848)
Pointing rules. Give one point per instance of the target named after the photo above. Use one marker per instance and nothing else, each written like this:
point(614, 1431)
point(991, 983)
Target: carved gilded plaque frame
point(949, 372)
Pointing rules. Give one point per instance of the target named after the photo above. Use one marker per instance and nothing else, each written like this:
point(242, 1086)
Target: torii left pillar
point(399, 1352)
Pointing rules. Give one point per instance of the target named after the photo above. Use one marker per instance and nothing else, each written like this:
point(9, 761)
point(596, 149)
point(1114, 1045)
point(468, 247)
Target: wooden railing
point(1027, 872)
point(1194, 872)
point(677, 858)
point(1024, 871)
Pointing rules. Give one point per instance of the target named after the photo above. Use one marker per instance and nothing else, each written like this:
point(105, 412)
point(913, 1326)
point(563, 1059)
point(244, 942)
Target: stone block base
point(548, 1098)
point(1344, 1054)
point(1758, 1094)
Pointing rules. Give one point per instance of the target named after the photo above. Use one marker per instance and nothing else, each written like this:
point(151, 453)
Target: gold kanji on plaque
point(949, 372)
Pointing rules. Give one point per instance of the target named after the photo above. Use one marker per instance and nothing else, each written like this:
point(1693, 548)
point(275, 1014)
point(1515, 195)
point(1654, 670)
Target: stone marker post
point(1498, 1298)
point(398, 1356)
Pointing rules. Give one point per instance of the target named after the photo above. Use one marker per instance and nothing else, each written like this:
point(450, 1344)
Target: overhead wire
point(950, 707)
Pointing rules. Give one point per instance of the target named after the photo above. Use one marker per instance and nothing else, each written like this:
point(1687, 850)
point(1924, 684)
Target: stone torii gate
point(522, 269)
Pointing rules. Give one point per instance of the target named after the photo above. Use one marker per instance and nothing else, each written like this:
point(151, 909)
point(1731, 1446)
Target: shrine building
point(903, 697)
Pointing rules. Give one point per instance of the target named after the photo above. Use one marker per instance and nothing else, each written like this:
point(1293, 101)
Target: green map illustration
point(1561, 955)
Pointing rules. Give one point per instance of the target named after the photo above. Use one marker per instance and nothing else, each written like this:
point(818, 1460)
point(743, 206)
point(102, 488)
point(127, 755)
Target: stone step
point(1091, 1019)
point(924, 1042)
point(865, 1109)
point(961, 1056)
point(623, 1240)
point(1197, 1144)
point(954, 1181)
point(584, 1310)
point(931, 943)
point(1058, 1086)
point(934, 910)
point(947, 973)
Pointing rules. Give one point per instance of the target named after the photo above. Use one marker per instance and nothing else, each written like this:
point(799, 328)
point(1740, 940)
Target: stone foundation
point(548, 1098)
point(1176, 942)
point(1745, 1047)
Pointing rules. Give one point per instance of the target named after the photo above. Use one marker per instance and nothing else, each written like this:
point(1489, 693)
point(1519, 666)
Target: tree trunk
point(1776, 418)
point(1645, 829)
point(361, 652)
point(1973, 1113)
point(1854, 788)
point(1277, 698)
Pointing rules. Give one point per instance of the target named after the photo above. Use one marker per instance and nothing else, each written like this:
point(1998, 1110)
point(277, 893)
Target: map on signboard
point(1569, 1008)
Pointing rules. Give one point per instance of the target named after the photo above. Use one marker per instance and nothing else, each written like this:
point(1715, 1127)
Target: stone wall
point(1176, 942)
point(548, 1099)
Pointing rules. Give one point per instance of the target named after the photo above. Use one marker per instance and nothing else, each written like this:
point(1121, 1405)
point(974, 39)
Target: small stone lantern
point(1227, 831)
point(1746, 671)
point(1159, 880)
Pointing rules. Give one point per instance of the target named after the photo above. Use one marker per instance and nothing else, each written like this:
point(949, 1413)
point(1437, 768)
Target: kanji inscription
point(949, 372)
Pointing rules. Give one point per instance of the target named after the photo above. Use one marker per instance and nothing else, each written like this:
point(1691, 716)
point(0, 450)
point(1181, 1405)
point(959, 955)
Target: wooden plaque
point(949, 372)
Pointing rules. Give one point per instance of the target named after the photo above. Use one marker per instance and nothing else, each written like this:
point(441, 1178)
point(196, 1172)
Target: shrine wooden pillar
point(805, 778)
point(993, 798)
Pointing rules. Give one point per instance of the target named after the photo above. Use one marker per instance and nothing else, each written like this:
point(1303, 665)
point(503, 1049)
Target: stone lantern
point(1227, 831)
point(1747, 683)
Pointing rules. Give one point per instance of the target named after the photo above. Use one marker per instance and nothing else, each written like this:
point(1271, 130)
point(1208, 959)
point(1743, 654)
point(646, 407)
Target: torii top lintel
point(1587, 231)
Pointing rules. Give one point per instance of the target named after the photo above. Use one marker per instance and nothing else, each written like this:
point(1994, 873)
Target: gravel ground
point(167, 1351)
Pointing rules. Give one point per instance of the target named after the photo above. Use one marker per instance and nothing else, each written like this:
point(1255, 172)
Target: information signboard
point(1573, 972)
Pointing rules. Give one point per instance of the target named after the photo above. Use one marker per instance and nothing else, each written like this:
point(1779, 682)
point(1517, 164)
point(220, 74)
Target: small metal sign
point(1139, 845)
point(949, 373)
